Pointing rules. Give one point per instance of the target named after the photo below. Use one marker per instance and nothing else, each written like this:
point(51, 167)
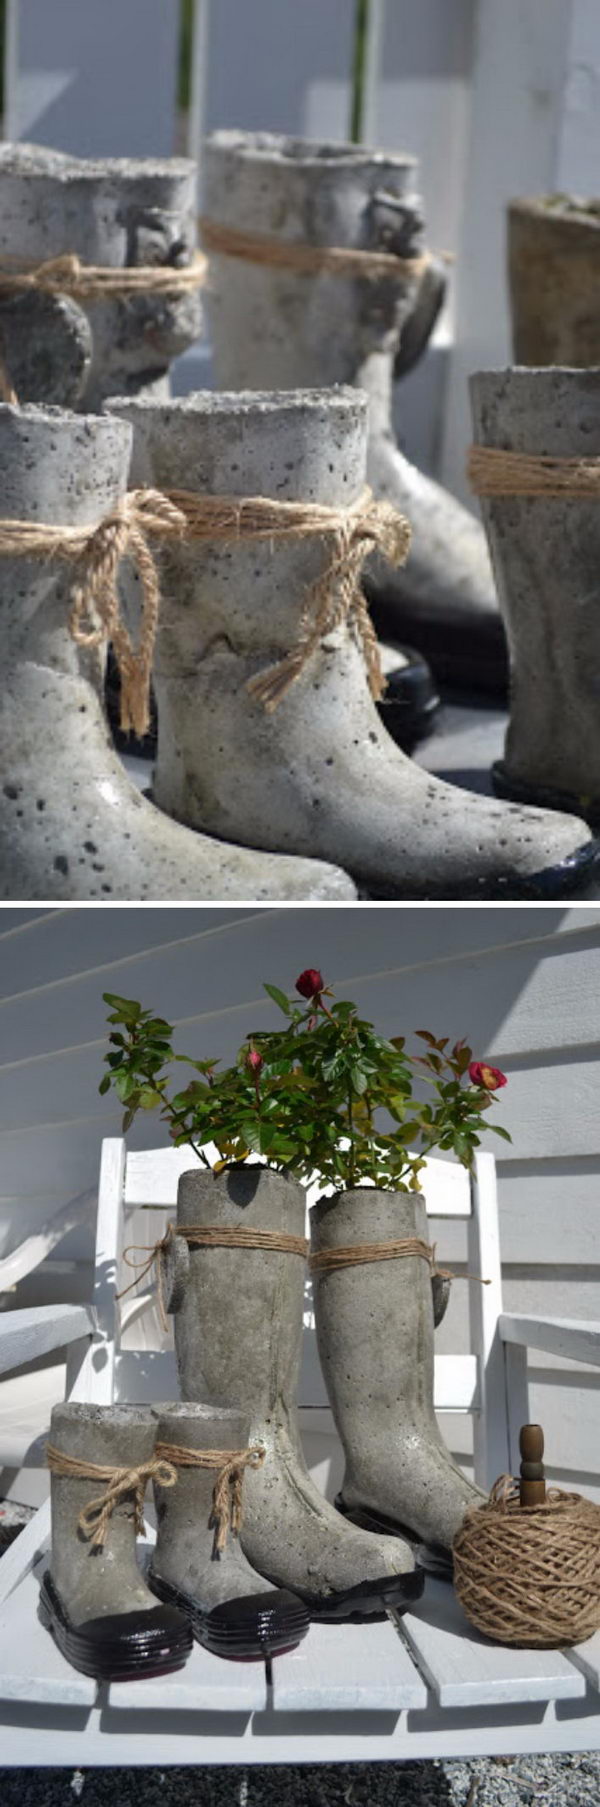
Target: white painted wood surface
point(466, 1670)
point(348, 1669)
point(26, 1335)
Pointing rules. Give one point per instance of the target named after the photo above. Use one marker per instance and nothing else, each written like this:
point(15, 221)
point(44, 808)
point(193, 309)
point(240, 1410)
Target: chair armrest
point(24, 1335)
point(576, 1339)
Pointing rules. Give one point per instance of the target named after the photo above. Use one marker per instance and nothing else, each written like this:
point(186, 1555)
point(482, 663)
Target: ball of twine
point(530, 1575)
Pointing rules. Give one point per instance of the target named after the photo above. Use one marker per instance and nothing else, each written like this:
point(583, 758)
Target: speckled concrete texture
point(546, 554)
point(380, 1384)
point(320, 776)
point(276, 328)
point(114, 212)
point(72, 826)
point(185, 1554)
point(93, 1581)
point(250, 1358)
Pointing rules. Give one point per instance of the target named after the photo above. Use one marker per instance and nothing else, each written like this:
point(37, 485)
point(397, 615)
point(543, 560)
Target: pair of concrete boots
point(272, 798)
point(238, 1320)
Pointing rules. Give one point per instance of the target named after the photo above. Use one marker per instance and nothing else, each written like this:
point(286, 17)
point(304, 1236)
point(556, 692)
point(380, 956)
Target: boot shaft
point(554, 267)
point(545, 554)
point(273, 326)
point(238, 1330)
point(56, 468)
point(108, 1437)
point(111, 212)
point(374, 1319)
point(308, 446)
point(184, 1512)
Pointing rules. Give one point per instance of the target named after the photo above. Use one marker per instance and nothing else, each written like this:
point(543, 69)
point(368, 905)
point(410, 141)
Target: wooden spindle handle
point(532, 1487)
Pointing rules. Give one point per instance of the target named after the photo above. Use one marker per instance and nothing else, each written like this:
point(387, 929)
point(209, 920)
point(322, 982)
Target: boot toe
point(118, 1646)
point(258, 1624)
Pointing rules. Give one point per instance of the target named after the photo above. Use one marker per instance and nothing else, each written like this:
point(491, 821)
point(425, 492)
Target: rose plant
point(312, 1098)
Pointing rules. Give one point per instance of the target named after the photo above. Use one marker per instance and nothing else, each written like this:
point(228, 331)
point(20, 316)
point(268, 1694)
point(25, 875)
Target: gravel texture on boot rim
point(551, 1781)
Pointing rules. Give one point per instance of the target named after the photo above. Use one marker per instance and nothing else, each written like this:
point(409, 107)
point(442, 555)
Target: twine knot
point(227, 1499)
point(94, 1519)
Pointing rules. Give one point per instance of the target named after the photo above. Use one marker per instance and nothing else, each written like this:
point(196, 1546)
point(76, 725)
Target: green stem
point(359, 62)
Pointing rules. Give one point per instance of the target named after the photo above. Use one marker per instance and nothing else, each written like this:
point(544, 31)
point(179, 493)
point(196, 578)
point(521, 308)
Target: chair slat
point(343, 1668)
point(32, 1669)
point(25, 1335)
point(575, 1339)
point(466, 1670)
point(151, 1177)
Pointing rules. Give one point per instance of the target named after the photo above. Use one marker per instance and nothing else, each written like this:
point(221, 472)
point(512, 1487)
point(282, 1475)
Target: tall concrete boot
point(318, 775)
point(238, 1336)
point(554, 280)
point(72, 826)
point(115, 213)
point(198, 1565)
point(375, 1325)
point(93, 1598)
point(278, 328)
point(546, 555)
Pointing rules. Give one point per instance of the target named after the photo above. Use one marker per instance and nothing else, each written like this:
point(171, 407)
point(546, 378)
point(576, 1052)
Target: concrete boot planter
point(319, 775)
point(93, 1598)
point(72, 826)
point(375, 1324)
point(232, 1610)
point(545, 553)
point(114, 213)
point(238, 1336)
point(277, 328)
point(554, 276)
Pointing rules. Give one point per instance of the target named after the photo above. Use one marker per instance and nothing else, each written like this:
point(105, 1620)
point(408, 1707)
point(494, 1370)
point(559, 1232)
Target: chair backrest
point(137, 1196)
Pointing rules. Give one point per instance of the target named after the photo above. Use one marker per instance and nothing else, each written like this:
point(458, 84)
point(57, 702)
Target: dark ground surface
point(565, 1781)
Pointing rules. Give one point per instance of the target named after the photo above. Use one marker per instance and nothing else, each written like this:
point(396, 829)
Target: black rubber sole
point(369, 1600)
point(120, 1647)
point(470, 657)
point(257, 1625)
point(410, 704)
point(515, 790)
point(433, 1559)
point(562, 880)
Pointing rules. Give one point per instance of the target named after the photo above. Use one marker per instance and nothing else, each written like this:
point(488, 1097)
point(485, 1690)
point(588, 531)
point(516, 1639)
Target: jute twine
point(530, 1575)
point(67, 275)
point(227, 1503)
point(309, 260)
point(96, 554)
point(492, 472)
point(94, 1519)
point(355, 1254)
point(205, 1236)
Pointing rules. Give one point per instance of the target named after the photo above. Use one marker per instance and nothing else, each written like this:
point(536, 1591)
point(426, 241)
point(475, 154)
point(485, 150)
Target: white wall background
point(522, 984)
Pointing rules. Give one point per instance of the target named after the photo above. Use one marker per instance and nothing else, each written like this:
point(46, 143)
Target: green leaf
point(104, 1085)
point(279, 998)
point(149, 1098)
point(497, 1131)
point(359, 1080)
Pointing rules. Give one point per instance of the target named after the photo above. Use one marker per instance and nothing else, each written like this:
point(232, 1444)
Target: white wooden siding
point(522, 984)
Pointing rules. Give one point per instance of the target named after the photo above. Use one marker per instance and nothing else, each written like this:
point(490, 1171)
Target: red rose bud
point(489, 1077)
point(254, 1060)
point(310, 983)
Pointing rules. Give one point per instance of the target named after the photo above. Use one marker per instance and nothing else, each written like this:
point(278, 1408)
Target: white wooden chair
point(424, 1686)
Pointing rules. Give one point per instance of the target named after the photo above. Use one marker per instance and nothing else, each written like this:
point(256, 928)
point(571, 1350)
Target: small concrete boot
point(238, 1336)
point(198, 1565)
point(72, 826)
point(375, 1324)
point(93, 1598)
point(274, 327)
point(554, 278)
point(546, 552)
point(114, 213)
point(318, 775)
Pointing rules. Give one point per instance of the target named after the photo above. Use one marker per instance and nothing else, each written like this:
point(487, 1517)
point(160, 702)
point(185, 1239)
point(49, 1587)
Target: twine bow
point(227, 1502)
point(94, 1519)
